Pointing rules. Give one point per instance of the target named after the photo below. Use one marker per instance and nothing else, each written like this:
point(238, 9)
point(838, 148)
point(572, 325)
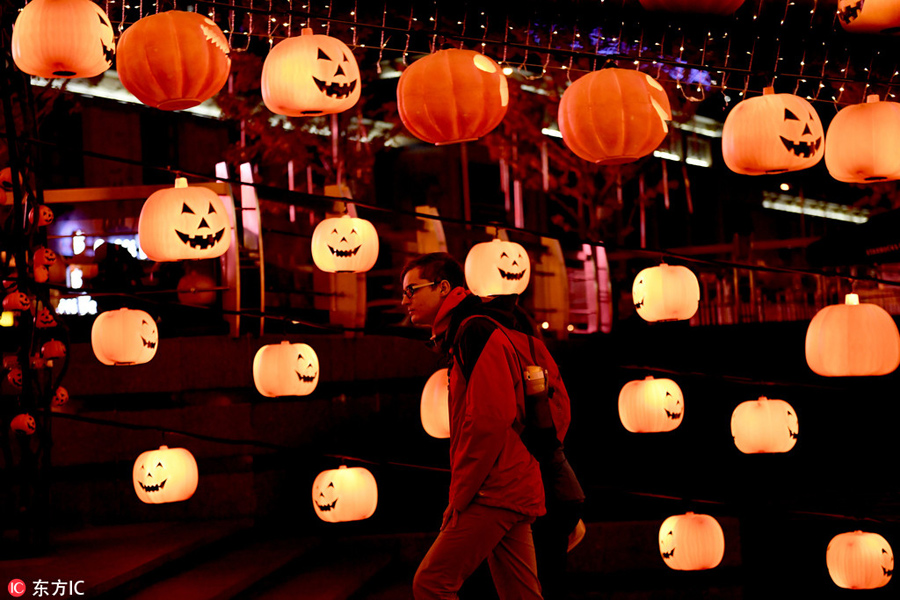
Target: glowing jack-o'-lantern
point(772, 133)
point(285, 369)
point(852, 339)
point(184, 223)
point(861, 145)
point(859, 560)
point(124, 337)
point(44, 319)
point(497, 267)
point(345, 245)
point(869, 16)
point(173, 60)
point(14, 377)
point(763, 426)
point(345, 494)
point(44, 257)
point(310, 75)
point(191, 289)
point(60, 396)
point(452, 96)
point(651, 405)
point(23, 424)
point(17, 301)
point(45, 215)
point(614, 116)
point(435, 409)
point(63, 38)
point(710, 7)
point(691, 542)
point(165, 475)
point(666, 293)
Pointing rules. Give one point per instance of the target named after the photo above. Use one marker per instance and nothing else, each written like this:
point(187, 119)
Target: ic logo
point(16, 588)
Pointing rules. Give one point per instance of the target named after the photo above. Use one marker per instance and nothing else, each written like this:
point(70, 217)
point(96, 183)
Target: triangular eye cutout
point(322, 55)
point(345, 58)
point(212, 210)
point(186, 209)
point(789, 116)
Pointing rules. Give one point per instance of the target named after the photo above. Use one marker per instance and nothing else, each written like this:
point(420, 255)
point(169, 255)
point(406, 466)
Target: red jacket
point(489, 463)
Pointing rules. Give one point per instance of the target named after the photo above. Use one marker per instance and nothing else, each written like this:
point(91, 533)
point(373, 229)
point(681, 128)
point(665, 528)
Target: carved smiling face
point(666, 293)
point(184, 223)
point(285, 370)
point(764, 426)
point(691, 542)
point(869, 16)
point(772, 133)
point(849, 10)
point(23, 424)
point(16, 301)
point(44, 319)
point(345, 245)
point(344, 494)
point(124, 337)
point(310, 75)
point(14, 377)
point(60, 396)
point(44, 256)
point(497, 267)
point(651, 405)
point(165, 475)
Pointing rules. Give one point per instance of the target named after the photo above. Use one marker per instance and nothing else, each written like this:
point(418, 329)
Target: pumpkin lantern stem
point(852, 299)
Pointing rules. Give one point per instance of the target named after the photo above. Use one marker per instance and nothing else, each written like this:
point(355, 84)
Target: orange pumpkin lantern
point(345, 494)
point(869, 16)
point(184, 223)
point(63, 38)
point(124, 337)
point(345, 245)
point(45, 215)
point(452, 96)
point(614, 116)
point(435, 409)
point(285, 369)
point(651, 405)
point(14, 377)
point(691, 542)
point(165, 475)
point(173, 60)
point(852, 339)
point(53, 349)
point(17, 301)
point(60, 396)
point(772, 133)
point(709, 7)
point(497, 268)
point(310, 75)
point(666, 293)
point(23, 424)
point(859, 560)
point(44, 257)
point(861, 145)
point(763, 426)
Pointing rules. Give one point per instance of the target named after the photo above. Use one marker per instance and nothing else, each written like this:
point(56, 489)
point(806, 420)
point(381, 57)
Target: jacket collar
point(442, 319)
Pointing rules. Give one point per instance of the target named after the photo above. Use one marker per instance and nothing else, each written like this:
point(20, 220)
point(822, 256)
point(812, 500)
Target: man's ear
point(445, 287)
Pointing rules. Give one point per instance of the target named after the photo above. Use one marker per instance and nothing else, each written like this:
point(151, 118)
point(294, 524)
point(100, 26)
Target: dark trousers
point(551, 540)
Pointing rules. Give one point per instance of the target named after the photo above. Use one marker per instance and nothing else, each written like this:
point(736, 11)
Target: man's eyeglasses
point(410, 290)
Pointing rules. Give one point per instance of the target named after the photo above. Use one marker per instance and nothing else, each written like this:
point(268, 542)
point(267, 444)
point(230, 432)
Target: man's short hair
point(437, 266)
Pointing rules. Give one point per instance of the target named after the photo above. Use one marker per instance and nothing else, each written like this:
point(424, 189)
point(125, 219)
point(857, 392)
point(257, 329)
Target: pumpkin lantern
point(310, 75)
point(44, 213)
point(14, 377)
point(772, 133)
point(44, 257)
point(44, 319)
point(63, 38)
point(666, 293)
point(16, 301)
point(706, 7)
point(165, 475)
point(452, 96)
point(859, 560)
point(852, 339)
point(861, 144)
point(196, 288)
point(869, 16)
point(497, 268)
point(691, 542)
point(124, 337)
point(285, 369)
point(345, 494)
point(184, 223)
point(23, 424)
point(60, 396)
point(345, 245)
point(651, 405)
point(173, 60)
point(614, 116)
point(764, 426)
point(53, 349)
point(435, 409)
